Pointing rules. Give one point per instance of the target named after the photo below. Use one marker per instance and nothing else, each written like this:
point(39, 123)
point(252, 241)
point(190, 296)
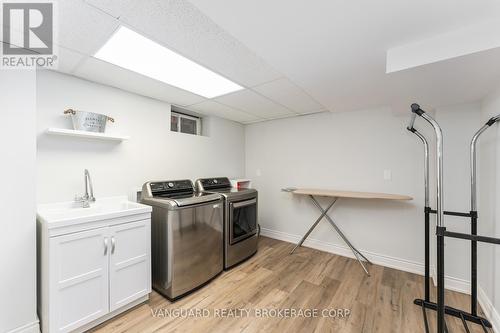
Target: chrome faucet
point(88, 187)
point(88, 197)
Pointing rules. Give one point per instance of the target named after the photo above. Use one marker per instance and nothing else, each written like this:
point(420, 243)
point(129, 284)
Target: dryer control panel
point(214, 183)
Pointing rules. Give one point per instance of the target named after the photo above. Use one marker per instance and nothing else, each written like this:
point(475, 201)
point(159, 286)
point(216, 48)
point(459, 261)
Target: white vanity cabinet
point(91, 270)
point(78, 279)
point(129, 263)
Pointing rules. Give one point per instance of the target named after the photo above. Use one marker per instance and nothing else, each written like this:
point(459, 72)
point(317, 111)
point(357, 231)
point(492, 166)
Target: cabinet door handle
point(105, 245)
point(113, 243)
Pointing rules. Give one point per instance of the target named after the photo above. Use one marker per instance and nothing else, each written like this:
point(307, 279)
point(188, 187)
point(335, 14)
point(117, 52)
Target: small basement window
point(185, 123)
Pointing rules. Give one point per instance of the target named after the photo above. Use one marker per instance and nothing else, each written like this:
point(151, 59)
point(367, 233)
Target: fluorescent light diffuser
point(132, 51)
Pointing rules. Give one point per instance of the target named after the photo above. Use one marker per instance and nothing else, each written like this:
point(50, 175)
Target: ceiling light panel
point(132, 51)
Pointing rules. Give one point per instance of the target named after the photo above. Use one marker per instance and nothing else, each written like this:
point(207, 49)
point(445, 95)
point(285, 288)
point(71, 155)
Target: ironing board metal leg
point(355, 251)
point(323, 213)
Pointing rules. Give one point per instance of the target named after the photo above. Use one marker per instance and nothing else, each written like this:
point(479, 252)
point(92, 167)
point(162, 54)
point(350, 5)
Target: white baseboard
point(379, 259)
point(32, 327)
point(489, 310)
point(451, 283)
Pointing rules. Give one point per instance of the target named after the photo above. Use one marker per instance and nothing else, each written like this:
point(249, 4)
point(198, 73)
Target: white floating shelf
point(84, 134)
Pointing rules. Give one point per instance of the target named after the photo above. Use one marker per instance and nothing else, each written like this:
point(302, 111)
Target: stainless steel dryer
point(186, 236)
point(240, 218)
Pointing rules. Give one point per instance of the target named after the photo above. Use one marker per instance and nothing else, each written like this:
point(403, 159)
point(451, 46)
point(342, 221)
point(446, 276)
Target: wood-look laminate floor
point(308, 279)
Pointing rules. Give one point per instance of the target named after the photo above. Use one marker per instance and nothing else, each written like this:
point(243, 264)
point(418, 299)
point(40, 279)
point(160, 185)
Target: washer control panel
point(171, 186)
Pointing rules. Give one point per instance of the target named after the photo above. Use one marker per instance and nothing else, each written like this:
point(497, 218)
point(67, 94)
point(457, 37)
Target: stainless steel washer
point(186, 236)
point(240, 218)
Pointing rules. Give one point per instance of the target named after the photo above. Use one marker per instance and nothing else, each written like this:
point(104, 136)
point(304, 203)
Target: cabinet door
point(78, 279)
point(129, 263)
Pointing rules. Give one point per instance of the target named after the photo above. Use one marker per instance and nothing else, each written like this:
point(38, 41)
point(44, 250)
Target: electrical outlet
point(387, 174)
point(258, 173)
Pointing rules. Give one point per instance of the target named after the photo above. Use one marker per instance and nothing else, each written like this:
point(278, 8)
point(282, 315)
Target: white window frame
point(181, 115)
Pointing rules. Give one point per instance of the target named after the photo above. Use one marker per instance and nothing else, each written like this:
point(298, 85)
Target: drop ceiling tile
point(112, 7)
point(253, 103)
point(223, 111)
point(82, 27)
point(180, 26)
point(102, 72)
point(288, 94)
point(68, 60)
point(123, 8)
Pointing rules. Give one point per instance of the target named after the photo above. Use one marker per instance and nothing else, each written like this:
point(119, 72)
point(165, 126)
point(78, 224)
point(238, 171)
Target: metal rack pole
point(473, 212)
point(427, 209)
point(415, 108)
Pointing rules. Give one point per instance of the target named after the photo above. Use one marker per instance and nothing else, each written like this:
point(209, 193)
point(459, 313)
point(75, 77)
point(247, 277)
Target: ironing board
point(335, 195)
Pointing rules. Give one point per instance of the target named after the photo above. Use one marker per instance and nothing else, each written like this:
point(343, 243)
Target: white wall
point(17, 202)
point(152, 153)
point(489, 208)
point(348, 151)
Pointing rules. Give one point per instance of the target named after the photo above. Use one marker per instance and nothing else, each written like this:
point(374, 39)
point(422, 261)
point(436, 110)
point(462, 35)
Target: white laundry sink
point(61, 214)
